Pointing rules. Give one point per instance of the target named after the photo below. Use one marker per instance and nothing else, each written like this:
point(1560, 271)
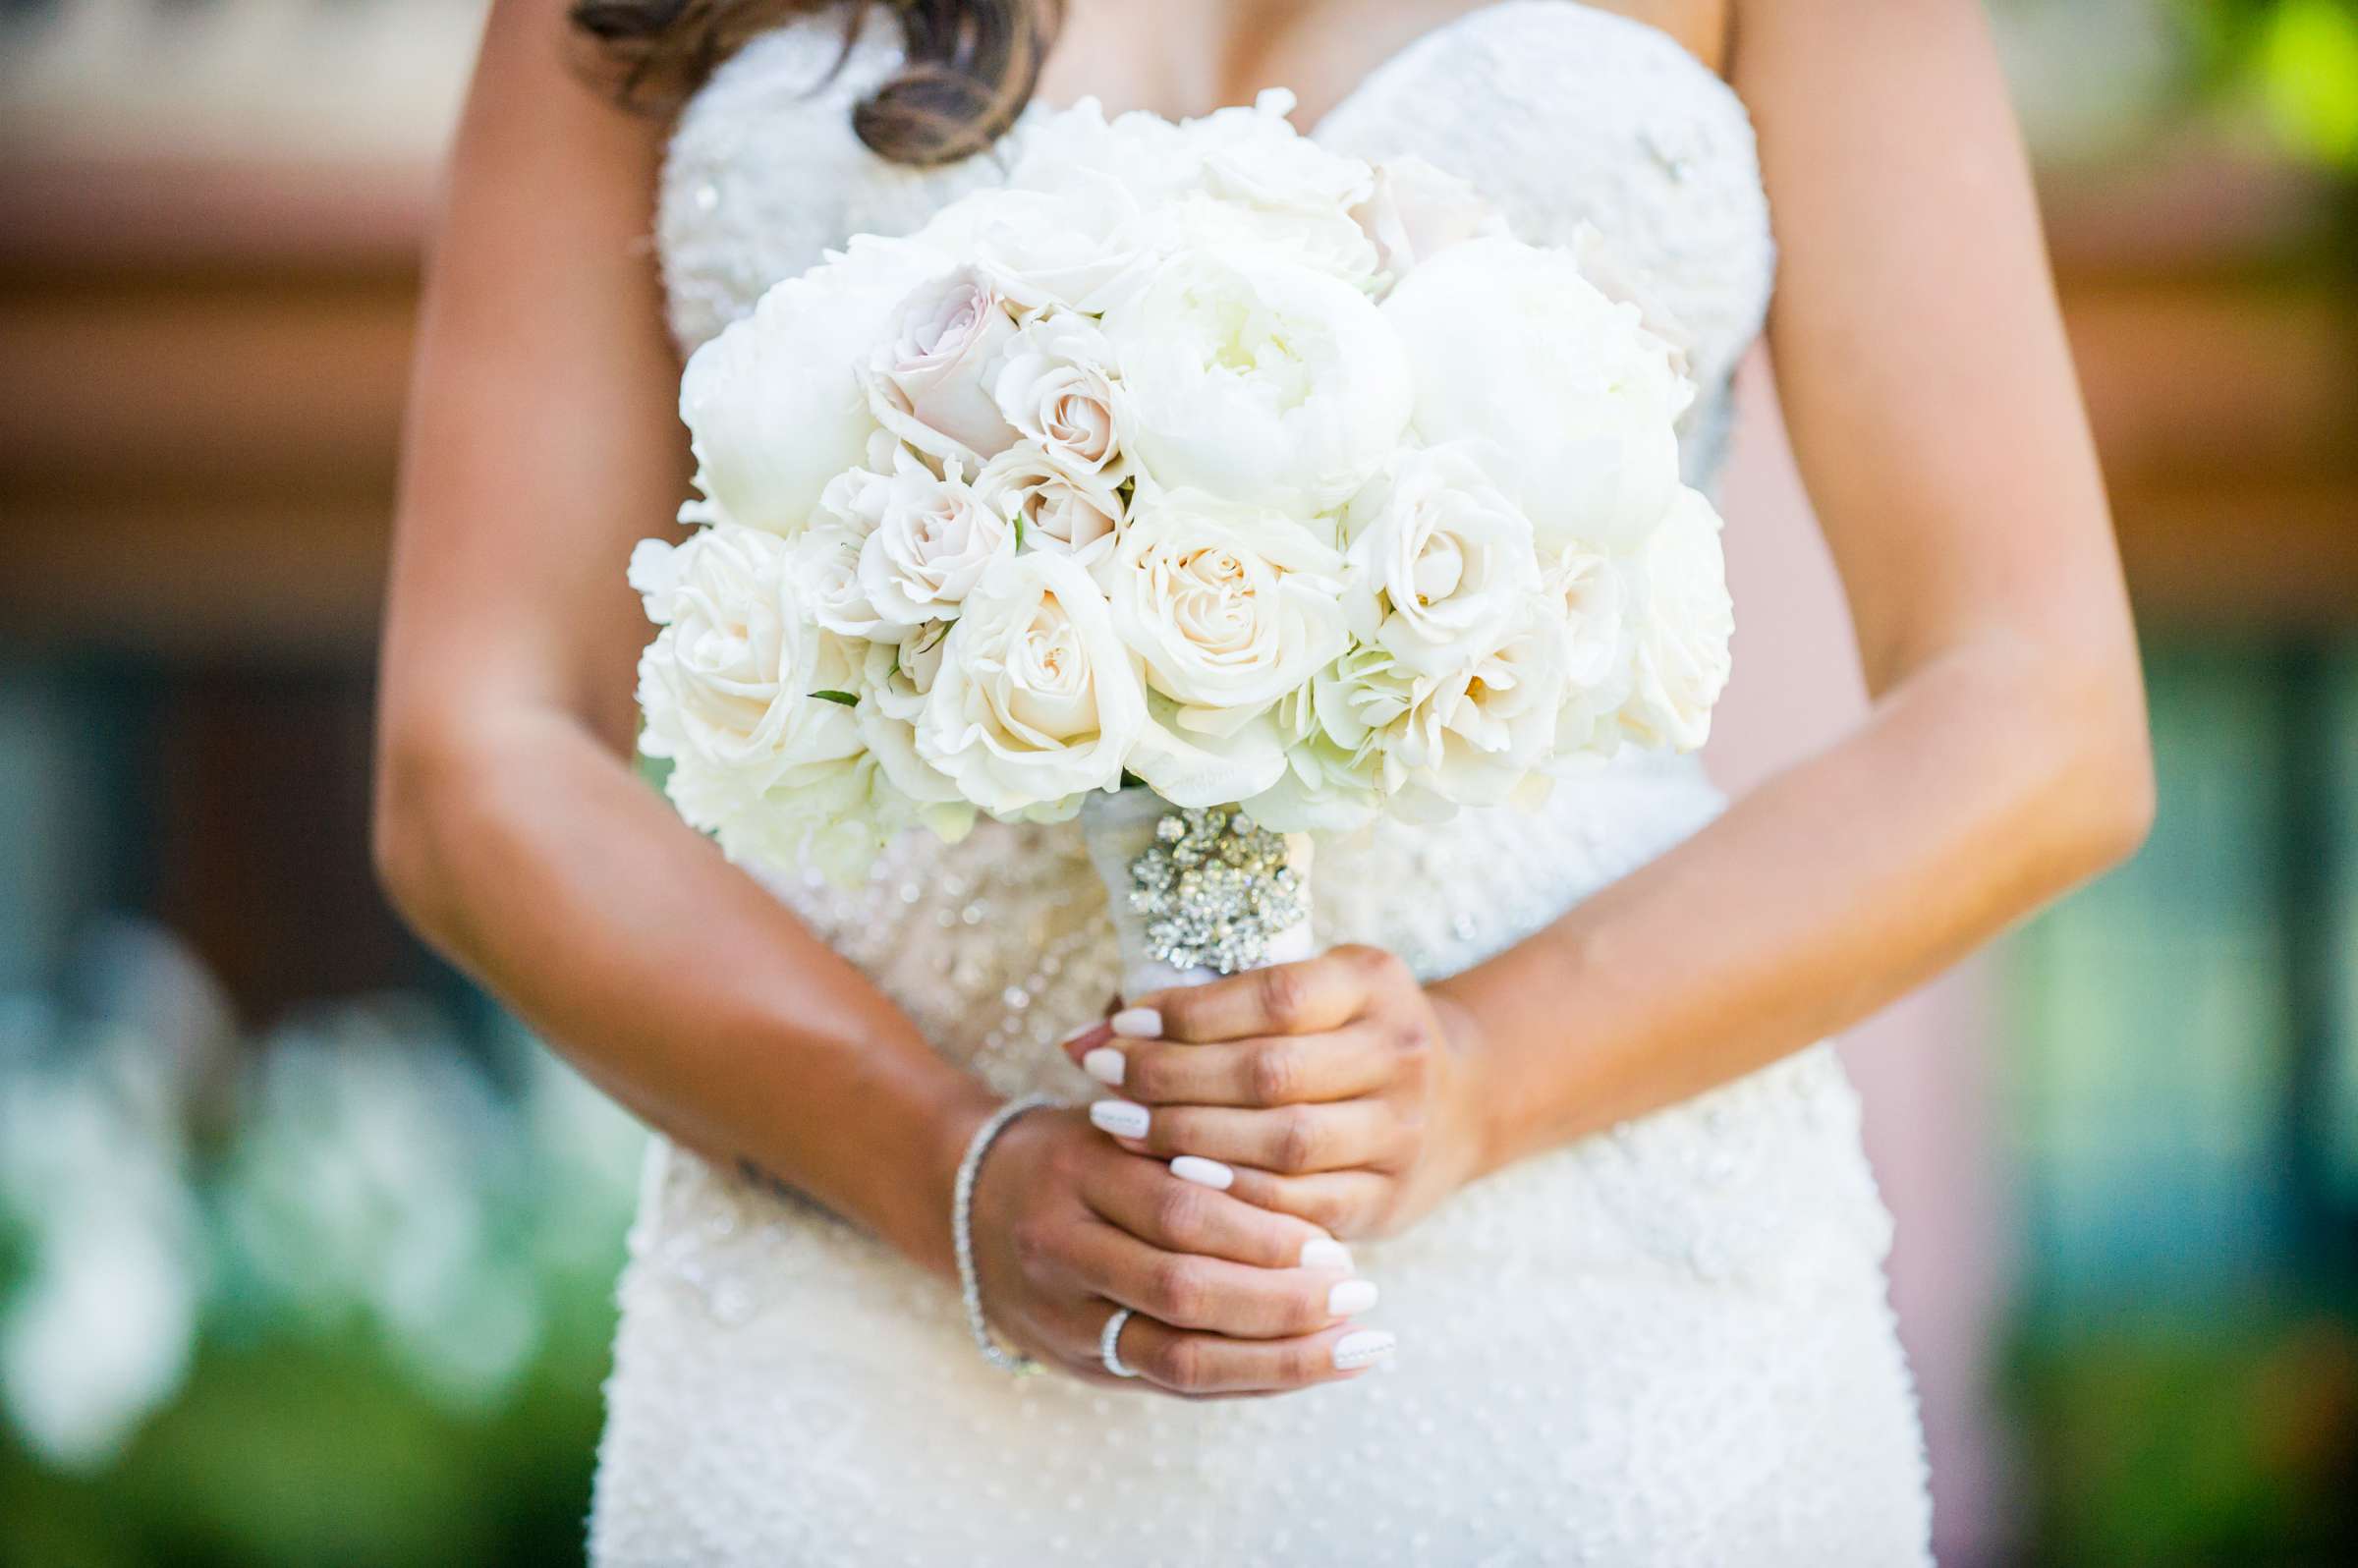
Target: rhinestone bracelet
point(962, 1229)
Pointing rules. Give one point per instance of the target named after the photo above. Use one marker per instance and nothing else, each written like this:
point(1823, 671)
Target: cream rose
point(931, 542)
point(772, 406)
point(1229, 609)
point(1036, 701)
point(1052, 509)
point(928, 381)
point(1438, 561)
point(1055, 387)
point(728, 685)
point(1258, 381)
point(1570, 402)
point(1685, 623)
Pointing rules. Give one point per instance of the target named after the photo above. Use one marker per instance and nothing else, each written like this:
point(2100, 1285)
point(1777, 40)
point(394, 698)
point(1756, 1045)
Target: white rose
point(1078, 246)
point(1429, 745)
point(893, 690)
point(1147, 156)
point(1036, 701)
point(1573, 403)
point(1414, 212)
point(1257, 381)
point(1685, 621)
point(931, 544)
point(928, 381)
point(1055, 387)
point(728, 685)
point(831, 817)
point(1440, 562)
point(1259, 182)
point(1074, 514)
point(1331, 780)
point(1599, 653)
point(1256, 158)
point(1229, 610)
point(826, 562)
point(772, 406)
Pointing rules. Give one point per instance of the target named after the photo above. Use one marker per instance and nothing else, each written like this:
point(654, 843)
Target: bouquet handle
point(1246, 906)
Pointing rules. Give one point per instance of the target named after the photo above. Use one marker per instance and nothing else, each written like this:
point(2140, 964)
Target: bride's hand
point(1337, 1088)
point(1229, 1298)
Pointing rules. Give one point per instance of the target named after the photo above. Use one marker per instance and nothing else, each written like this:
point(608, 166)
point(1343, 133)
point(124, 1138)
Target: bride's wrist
point(934, 1176)
point(1473, 1097)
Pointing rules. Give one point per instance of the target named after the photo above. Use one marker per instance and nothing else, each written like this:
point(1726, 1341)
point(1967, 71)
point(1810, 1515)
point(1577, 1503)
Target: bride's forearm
point(1985, 784)
point(541, 865)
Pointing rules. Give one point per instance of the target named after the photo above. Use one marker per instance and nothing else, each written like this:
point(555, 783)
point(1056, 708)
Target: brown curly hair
point(968, 66)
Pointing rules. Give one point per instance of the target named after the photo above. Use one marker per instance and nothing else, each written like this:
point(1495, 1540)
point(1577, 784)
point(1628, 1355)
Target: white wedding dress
point(1668, 1344)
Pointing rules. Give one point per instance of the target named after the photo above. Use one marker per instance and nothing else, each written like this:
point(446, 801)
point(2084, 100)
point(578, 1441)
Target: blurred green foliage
point(2295, 61)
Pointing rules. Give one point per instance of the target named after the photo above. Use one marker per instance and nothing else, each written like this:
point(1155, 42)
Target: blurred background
point(305, 1250)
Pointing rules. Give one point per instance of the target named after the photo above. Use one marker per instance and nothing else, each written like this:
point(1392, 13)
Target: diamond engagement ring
point(1109, 1343)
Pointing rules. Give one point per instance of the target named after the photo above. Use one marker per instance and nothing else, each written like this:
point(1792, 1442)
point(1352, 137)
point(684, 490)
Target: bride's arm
point(513, 832)
point(1931, 402)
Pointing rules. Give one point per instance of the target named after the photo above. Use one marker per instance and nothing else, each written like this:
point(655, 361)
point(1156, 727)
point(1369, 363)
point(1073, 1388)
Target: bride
point(1552, 1091)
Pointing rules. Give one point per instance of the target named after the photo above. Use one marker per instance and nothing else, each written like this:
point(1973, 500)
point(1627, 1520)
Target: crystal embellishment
point(1215, 887)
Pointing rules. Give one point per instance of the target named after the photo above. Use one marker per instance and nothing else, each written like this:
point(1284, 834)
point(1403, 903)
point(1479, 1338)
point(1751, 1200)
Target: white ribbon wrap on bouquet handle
point(1120, 826)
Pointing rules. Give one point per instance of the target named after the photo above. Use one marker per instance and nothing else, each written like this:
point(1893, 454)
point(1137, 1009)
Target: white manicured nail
point(1351, 1297)
point(1137, 1023)
point(1107, 1065)
point(1119, 1117)
point(1363, 1347)
point(1203, 1172)
point(1324, 1251)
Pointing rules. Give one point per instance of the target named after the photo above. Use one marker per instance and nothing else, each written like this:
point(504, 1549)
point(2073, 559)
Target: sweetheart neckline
point(1433, 37)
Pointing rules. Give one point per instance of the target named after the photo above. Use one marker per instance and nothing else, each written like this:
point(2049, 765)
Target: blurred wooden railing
point(203, 373)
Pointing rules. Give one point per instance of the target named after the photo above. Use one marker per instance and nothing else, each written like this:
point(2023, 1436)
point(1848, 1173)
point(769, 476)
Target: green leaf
point(845, 698)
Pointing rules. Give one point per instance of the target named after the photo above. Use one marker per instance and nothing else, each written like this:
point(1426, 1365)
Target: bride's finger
point(1205, 1366)
point(1344, 1204)
point(1212, 1295)
point(1144, 1198)
point(1290, 1139)
point(1301, 999)
point(1276, 1070)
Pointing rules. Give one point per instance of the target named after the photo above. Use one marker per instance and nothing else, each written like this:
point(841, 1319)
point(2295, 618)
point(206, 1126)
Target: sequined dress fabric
point(1667, 1344)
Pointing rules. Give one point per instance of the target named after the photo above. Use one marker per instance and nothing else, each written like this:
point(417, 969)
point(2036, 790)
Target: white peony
point(1684, 627)
point(728, 685)
point(1440, 562)
point(1036, 701)
point(1229, 609)
point(772, 405)
point(931, 542)
point(1572, 402)
point(1054, 509)
point(1055, 387)
point(1414, 212)
point(1258, 381)
point(928, 380)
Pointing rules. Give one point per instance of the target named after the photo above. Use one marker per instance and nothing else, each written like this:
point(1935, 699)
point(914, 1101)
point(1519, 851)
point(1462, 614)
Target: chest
point(1178, 59)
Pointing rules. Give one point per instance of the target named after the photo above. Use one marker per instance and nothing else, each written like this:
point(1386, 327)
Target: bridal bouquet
point(1286, 488)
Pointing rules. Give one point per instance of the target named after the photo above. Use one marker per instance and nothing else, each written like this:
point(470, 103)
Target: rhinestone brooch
point(1215, 887)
